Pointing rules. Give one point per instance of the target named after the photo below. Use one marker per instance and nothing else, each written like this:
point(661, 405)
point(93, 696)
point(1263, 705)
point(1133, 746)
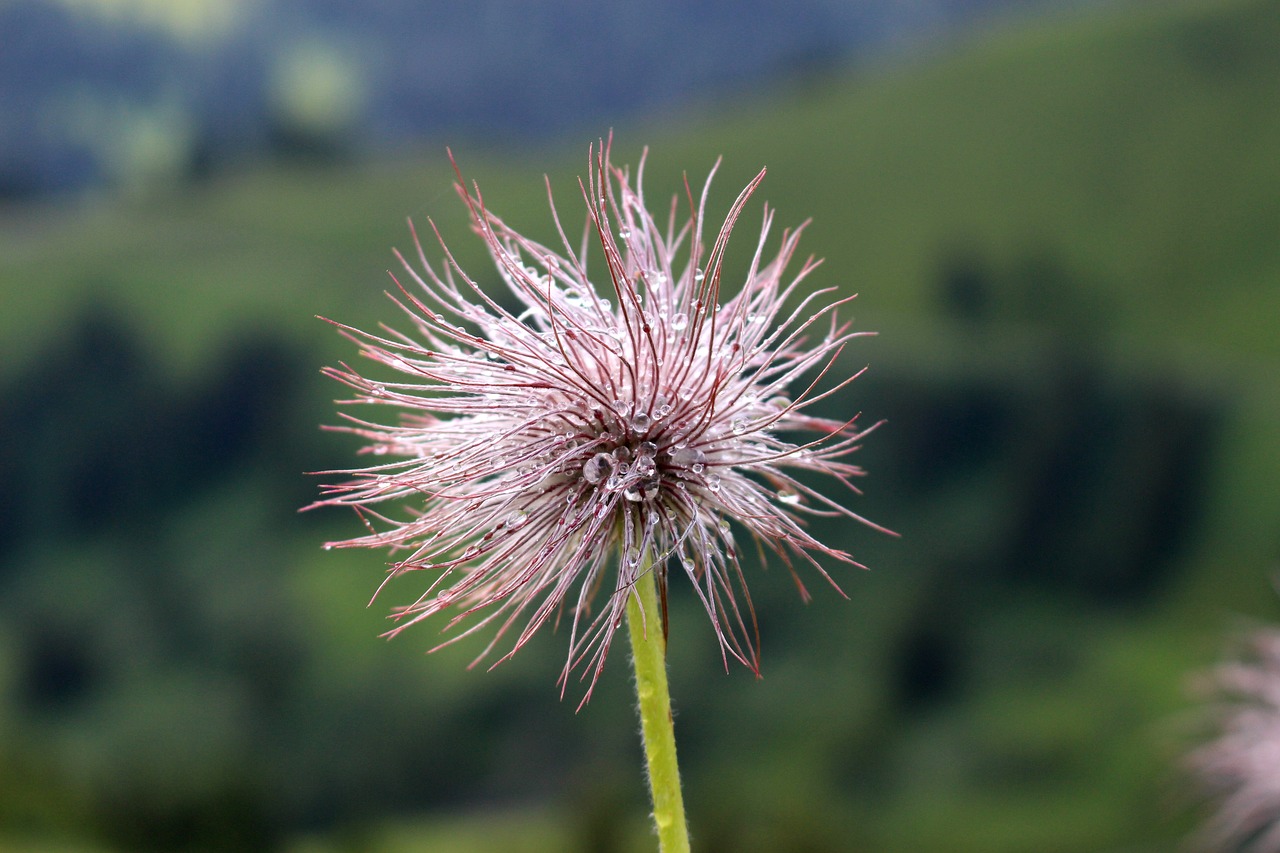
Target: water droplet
point(645, 466)
point(679, 322)
point(645, 489)
point(682, 455)
point(633, 556)
point(646, 448)
point(713, 482)
point(723, 525)
point(699, 275)
point(471, 551)
point(517, 518)
point(624, 233)
point(640, 422)
point(652, 518)
point(739, 425)
point(328, 546)
point(789, 497)
point(597, 468)
point(697, 467)
point(622, 407)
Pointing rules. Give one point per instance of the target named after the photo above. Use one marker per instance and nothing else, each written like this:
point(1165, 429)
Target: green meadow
point(1067, 237)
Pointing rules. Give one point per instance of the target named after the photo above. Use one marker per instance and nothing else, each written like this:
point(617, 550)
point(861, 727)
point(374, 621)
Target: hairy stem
point(649, 656)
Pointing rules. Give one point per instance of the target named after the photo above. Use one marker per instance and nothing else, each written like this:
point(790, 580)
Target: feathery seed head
point(545, 456)
point(1240, 766)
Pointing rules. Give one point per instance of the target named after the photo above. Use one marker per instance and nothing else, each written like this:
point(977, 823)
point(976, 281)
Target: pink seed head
point(543, 456)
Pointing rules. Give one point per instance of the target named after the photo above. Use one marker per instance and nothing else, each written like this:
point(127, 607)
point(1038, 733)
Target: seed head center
point(631, 469)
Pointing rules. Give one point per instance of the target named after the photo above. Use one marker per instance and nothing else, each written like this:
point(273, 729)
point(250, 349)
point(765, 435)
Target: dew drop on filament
point(597, 468)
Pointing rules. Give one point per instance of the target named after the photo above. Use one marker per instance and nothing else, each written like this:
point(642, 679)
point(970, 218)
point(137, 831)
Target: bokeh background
point(1062, 218)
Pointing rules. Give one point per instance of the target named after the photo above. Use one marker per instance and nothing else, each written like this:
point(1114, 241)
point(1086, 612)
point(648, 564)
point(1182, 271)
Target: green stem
point(649, 656)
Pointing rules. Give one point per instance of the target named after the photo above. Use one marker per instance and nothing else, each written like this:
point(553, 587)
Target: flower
point(549, 451)
point(1240, 766)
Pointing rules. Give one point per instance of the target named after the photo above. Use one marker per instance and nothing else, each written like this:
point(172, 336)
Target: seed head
point(555, 441)
point(1239, 767)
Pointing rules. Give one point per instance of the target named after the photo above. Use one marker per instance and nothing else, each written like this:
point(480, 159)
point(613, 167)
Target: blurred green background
point(1066, 230)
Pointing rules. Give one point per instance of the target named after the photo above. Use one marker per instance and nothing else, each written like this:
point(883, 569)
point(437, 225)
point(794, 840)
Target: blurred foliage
point(1067, 238)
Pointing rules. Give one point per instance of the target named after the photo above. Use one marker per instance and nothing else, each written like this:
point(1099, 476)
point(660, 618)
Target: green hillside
point(1068, 237)
point(1137, 148)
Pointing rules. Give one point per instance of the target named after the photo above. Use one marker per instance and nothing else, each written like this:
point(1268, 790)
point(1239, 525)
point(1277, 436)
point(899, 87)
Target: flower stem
point(649, 656)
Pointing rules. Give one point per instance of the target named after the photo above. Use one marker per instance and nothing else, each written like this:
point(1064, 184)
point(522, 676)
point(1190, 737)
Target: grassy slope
point(1139, 150)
